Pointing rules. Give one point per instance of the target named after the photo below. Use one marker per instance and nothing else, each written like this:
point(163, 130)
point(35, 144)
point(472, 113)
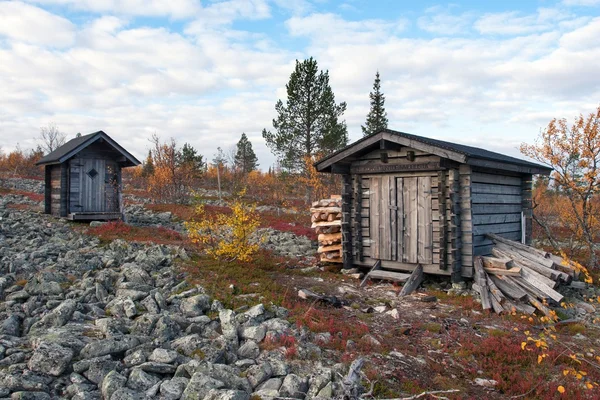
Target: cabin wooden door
point(401, 227)
point(93, 186)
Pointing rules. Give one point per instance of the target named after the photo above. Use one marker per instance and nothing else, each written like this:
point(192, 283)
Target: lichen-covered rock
point(199, 386)
point(195, 306)
point(227, 394)
point(57, 317)
point(294, 386)
point(141, 380)
point(163, 356)
point(111, 382)
point(173, 388)
point(249, 350)
point(108, 346)
point(51, 359)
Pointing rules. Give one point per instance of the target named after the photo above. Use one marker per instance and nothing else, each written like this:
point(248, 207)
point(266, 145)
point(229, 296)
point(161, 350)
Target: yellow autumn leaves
point(226, 236)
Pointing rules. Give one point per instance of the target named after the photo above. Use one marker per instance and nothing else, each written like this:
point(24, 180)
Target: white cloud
point(444, 23)
point(172, 8)
point(588, 3)
point(211, 82)
point(24, 22)
point(511, 23)
point(331, 28)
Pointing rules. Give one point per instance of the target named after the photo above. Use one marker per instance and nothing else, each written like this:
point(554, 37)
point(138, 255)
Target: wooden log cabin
point(83, 178)
point(409, 200)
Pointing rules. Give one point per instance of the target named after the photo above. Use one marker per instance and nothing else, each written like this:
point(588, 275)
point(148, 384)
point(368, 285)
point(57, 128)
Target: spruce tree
point(377, 117)
point(245, 160)
point(148, 167)
point(307, 124)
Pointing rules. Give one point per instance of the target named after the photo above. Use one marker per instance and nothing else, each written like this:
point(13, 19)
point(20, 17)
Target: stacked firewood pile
point(520, 277)
point(326, 218)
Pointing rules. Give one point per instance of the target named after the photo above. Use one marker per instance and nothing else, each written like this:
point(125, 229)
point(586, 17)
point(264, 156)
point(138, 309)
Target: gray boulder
point(228, 394)
point(111, 382)
point(30, 396)
point(199, 386)
point(51, 359)
point(163, 356)
point(249, 350)
point(294, 386)
point(195, 306)
point(57, 317)
point(258, 374)
point(173, 388)
point(141, 380)
point(109, 346)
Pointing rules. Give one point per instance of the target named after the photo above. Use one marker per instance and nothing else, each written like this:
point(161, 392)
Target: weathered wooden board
point(496, 219)
point(496, 209)
point(409, 194)
point(495, 179)
point(385, 221)
point(389, 275)
point(488, 188)
point(424, 222)
point(480, 198)
point(375, 215)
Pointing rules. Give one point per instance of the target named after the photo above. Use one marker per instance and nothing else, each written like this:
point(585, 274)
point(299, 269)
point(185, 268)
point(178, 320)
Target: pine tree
point(148, 167)
point(191, 160)
point(377, 117)
point(245, 159)
point(308, 122)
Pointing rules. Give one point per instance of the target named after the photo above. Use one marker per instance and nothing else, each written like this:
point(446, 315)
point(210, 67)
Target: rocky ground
point(80, 319)
point(84, 321)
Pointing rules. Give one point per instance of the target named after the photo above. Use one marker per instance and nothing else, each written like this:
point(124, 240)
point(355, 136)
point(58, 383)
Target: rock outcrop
point(81, 320)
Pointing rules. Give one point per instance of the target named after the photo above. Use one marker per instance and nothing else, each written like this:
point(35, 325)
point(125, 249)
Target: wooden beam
point(346, 220)
point(64, 189)
point(481, 281)
point(508, 287)
point(389, 276)
point(515, 271)
point(375, 267)
point(47, 189)
point(502, 166)
point(413, 282)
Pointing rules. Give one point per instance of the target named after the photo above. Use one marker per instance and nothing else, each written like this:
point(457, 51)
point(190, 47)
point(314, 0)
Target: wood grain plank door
point(411, 227)
point(374, 216)
point(424, 221)
point(383, 218)
point(92, 185)
point(415, 220)
point(75, 186)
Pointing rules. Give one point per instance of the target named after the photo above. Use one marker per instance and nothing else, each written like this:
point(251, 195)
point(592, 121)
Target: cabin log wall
point(445, 214)
point(55, 186)
point(496, 208)
point(527, 204)
point(346, 221)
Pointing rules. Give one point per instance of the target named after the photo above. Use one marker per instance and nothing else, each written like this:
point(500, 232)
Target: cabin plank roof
point(454, 151)
point(74, 146)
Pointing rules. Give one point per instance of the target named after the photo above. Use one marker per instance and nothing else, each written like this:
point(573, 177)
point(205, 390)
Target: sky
point(490, 74)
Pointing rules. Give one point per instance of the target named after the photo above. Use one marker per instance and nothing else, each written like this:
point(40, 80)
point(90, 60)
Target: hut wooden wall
point(496, 208)
point(55, 186)
point(444, 192)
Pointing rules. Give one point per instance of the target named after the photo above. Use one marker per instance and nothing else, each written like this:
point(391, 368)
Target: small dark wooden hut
point(83, 178)
point(410, 200)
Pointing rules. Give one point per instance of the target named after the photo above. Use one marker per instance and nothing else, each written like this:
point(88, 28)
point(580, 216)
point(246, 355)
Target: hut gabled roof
point(453, 151)
point(74, 146)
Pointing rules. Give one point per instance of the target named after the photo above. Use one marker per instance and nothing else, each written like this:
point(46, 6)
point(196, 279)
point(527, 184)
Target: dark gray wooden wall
point(496, 208)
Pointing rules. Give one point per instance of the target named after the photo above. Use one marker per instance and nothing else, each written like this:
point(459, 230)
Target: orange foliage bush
point(18, 163)
point(567, 208)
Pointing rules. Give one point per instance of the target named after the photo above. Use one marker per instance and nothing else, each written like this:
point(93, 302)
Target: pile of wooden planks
point(519, 277)
point(326, 218)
